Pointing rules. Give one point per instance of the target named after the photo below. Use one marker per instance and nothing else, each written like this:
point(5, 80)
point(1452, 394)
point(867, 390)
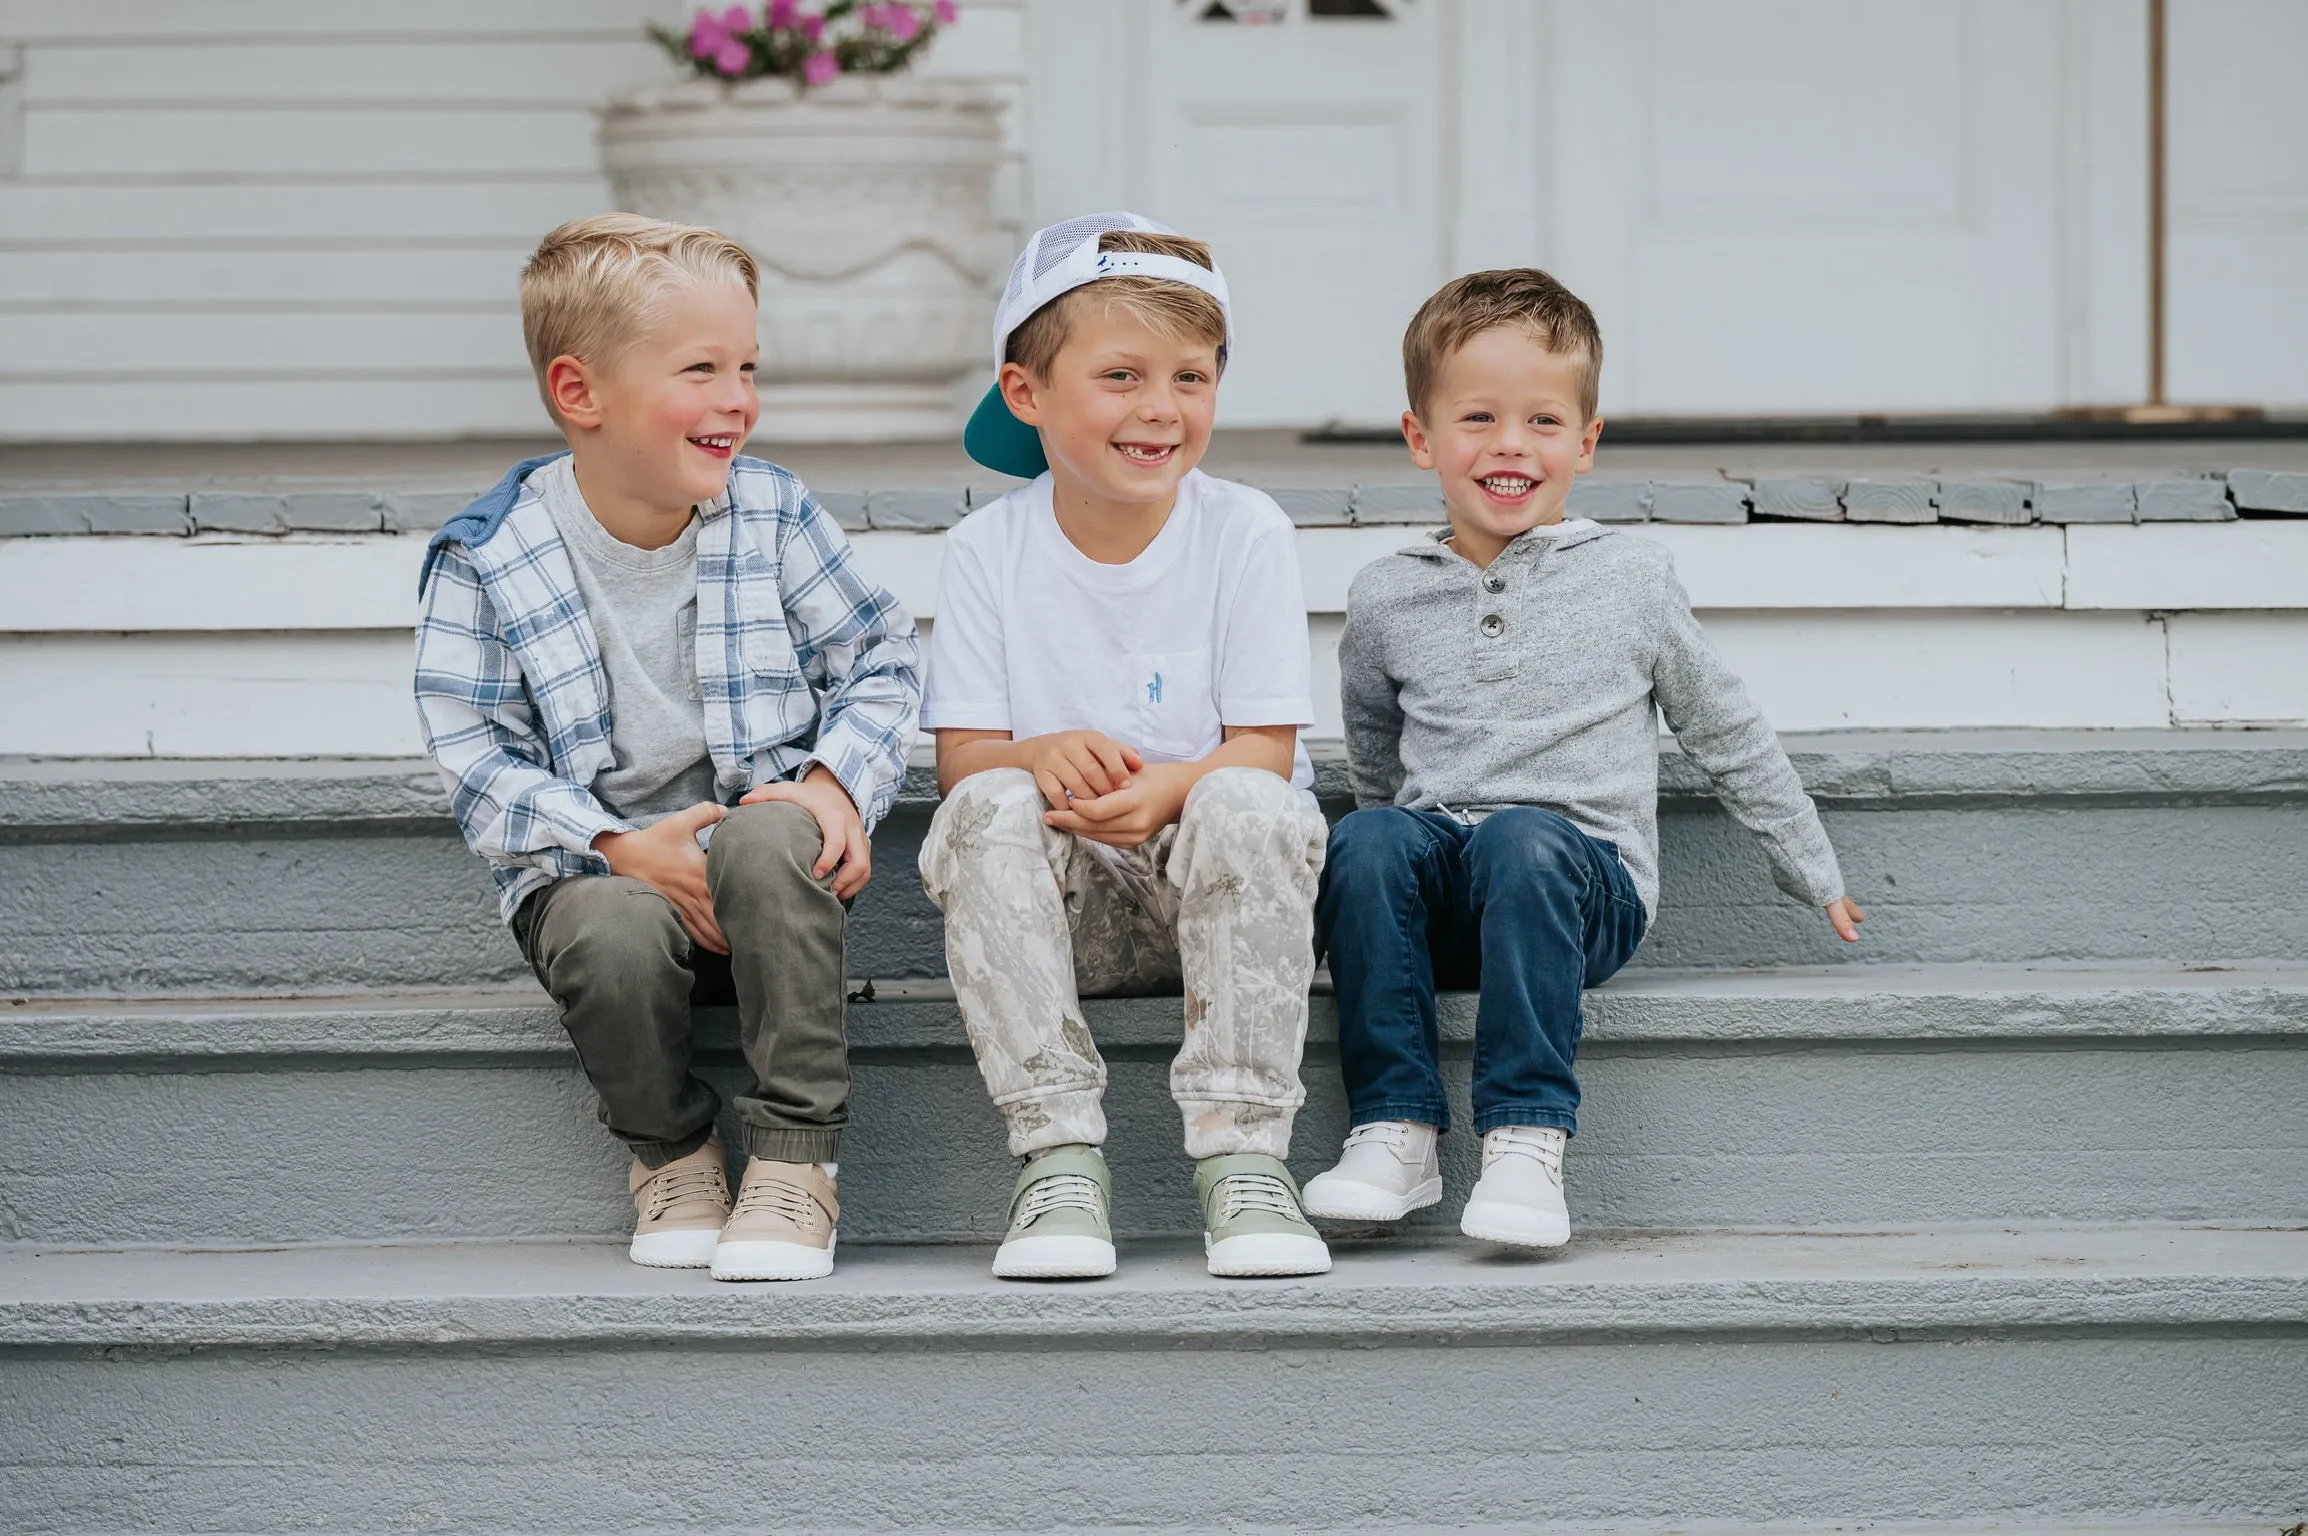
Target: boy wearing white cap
point(1119, 673)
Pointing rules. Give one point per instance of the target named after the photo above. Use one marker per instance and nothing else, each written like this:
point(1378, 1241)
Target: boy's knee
point(1526, 840)
point(1224, 794)
point(609, 931)
point(1379, 840)
point(1247, 826)
point(999, 808)
point(983, 801)
point(770, 840)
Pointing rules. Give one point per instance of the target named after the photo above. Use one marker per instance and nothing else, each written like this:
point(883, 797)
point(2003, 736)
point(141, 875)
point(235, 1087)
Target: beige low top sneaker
point(782, 1228)
point(678, 1210)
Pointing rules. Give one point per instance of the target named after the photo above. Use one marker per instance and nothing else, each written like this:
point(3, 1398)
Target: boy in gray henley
point(1499, 680)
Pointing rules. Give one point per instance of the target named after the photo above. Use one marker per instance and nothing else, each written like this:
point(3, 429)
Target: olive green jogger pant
point(614, 955)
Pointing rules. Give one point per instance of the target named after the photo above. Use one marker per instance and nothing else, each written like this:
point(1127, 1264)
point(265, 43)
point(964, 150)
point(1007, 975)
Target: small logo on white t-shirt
point(1154, 689)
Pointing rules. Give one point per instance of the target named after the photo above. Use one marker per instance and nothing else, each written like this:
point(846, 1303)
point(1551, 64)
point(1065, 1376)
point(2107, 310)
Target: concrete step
point(1953, 1378)
point(127, 487)
point(273, 878)
point(1834, 1097)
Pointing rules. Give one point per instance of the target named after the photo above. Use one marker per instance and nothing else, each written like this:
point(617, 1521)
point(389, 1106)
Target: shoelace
point(776, 1197)
point(1524, 1141)
point(1392, 1132)
point(1060, 1191)
point(1257, 1193)
point(674, 1186)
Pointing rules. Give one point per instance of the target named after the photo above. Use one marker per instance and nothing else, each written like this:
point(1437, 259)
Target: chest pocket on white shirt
point(1177, 714)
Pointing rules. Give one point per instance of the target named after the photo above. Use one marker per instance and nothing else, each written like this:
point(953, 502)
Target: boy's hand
point(1082, 765)
point(1846, 917)
point(666, 857)
point(847, 848)
point(1153, 798)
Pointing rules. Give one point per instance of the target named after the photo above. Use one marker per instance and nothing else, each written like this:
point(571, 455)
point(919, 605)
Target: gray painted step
point(1837, 1097)
point(2133, 1375)
point(282, 878)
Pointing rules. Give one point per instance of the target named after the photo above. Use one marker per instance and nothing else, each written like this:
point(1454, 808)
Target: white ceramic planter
point(869, 205)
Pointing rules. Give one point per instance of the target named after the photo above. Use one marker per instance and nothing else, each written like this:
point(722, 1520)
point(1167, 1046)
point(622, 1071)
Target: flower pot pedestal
point(868, 203)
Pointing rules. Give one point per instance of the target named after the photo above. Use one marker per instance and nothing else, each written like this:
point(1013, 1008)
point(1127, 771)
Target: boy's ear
point(1020, 393)
point(1587, 441)
point(1414, 434)
point(569, 385)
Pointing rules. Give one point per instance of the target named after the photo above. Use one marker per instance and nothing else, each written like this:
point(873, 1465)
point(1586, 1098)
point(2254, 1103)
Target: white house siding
point(248, 219)
point(304, 218)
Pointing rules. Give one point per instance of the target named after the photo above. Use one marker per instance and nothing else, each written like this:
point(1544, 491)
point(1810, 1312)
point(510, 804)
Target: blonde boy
point(669, 709)
point(1119, 673)
point(1500, 679)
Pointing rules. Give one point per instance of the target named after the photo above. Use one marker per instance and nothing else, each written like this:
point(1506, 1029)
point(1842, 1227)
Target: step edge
point(1883, 1309)
point(2138, 1009)
point(57, 797)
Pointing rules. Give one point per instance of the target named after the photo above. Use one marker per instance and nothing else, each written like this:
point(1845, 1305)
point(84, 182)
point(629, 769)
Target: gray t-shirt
point(643, 604)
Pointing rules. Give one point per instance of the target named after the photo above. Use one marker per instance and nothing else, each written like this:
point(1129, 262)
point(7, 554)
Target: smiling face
point(658, 424)
point(1503, 431)
point(1126, 409)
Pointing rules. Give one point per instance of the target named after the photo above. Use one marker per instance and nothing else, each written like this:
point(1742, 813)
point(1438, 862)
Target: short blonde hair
point(591, 287)
point(1166, 308)
point(1522, 297)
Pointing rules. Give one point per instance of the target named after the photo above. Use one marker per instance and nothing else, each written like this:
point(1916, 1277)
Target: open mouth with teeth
point(1149, 454)
point(720, 444)
point(1507, 490)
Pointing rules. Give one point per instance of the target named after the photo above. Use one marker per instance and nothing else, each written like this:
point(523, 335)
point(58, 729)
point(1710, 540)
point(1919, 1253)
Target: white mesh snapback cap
point(1057, 260)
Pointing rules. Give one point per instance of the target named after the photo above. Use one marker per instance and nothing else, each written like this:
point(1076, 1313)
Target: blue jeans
point(1522, 904)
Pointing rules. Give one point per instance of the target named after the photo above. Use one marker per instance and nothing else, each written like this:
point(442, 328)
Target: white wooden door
point(1828, 205)
point(1774, 205)
point(2238, 318)
point(1300, 137)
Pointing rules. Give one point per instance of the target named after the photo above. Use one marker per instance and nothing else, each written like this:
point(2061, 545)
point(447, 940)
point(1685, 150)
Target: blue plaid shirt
point(800, 660)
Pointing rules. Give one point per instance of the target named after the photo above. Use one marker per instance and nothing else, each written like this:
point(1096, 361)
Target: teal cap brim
point(1002, 442)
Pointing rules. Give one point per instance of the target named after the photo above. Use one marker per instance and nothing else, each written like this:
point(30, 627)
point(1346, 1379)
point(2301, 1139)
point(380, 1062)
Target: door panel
point(1306, 150)
point(2238, 299)
point(1812, 205)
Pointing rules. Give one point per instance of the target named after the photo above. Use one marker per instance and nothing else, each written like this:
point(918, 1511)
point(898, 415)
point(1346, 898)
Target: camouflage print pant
point(1036, 919)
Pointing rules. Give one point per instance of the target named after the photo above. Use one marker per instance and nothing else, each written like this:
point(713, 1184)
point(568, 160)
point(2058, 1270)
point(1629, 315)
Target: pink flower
point(733, 58)
point(819, 68)
point(783, 14)
point(901, 22)
point(948, 13)
point(813, 27)
point(706, 34)
point(736, 19)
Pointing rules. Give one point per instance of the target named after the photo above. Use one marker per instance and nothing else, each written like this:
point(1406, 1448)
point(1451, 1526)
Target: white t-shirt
point(1205, 629)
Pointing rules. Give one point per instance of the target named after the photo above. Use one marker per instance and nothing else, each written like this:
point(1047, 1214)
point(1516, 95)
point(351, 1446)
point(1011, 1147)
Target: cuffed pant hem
point(656, 1154)
point(1565, 1120)
point(1225, 1127)
point(1436, 1115)
point(1067, 1117)
point(793, 1143)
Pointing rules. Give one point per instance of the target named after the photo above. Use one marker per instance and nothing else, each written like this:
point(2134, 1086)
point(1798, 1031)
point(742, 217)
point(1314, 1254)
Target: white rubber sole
point(1257, 1254)
point(1054, 1257)
point(1516, 1226)
point(685, 1248)
point(1346, 1200)
point(773, 1261)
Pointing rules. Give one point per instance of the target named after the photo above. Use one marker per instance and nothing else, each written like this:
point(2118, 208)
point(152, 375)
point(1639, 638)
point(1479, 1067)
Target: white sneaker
point(1386, 1171)
point(1519, 1199)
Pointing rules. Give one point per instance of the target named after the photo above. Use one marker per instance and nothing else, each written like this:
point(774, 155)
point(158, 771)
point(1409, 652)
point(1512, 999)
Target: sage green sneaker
point(1058, 1219)
point(1251, 1220)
